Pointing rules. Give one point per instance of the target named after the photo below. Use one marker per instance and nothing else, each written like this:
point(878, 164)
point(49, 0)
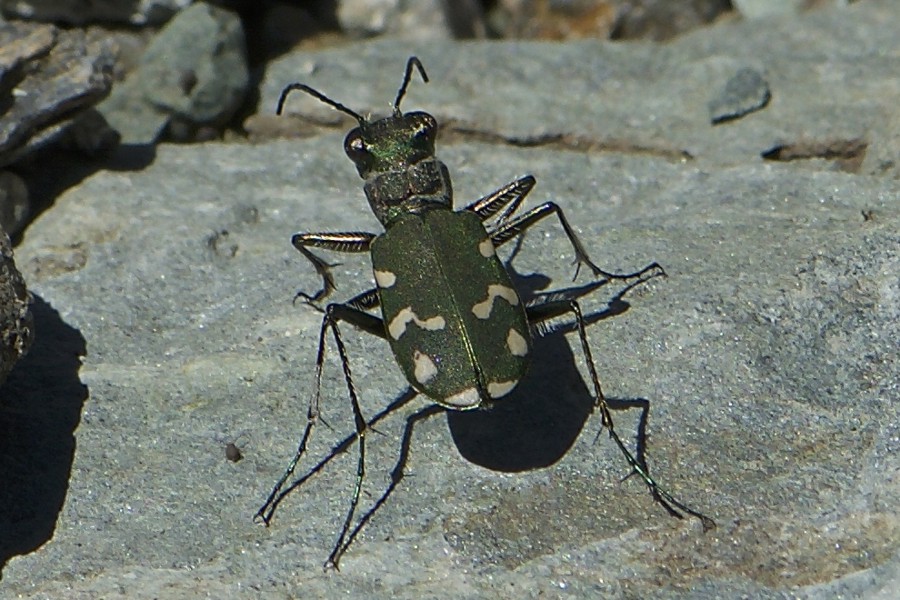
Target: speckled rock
point(16, 321)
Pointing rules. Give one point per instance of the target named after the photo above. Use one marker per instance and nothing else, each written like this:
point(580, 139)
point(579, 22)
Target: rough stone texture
point(193, 74)
point(16, 321)
point(79, 12)
point(47, 77)
point(768, 357)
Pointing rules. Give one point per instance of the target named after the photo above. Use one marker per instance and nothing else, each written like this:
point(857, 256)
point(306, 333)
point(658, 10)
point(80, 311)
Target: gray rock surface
point(644, 97)
point(768, 357)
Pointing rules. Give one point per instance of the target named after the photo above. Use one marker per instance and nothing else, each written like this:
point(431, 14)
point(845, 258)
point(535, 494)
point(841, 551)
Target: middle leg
point(511, 229)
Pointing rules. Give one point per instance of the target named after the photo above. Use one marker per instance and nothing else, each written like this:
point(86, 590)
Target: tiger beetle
point(457, 327)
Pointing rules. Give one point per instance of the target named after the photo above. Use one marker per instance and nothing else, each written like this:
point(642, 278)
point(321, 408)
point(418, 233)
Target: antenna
point(319, 95)
point(412, 62)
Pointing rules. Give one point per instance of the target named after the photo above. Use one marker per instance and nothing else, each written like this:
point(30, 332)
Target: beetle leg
point(511, 196)
point(375, 326)
point(365, 301)
point(507, 231)
point(548, 310)
point(396, 475)
point(355, 241)
point(370, 324)
point(268, 511)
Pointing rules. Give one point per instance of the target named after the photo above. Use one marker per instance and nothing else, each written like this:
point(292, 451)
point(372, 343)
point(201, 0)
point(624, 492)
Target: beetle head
point(394, 154)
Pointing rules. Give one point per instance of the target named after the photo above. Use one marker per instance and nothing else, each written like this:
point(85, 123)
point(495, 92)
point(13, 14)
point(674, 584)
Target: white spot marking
point(517, 344)
point(385, 279)
point(501, 388)
point(467, 398)
point(482, 310)
point(398, 325)
point(425, 367)
point(486, 247)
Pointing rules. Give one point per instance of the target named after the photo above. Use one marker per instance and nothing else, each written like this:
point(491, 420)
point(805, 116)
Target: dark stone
point(16, 321)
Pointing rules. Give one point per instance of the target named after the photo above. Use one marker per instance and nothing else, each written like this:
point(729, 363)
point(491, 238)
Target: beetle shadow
point(537, 424)
point(40, 407)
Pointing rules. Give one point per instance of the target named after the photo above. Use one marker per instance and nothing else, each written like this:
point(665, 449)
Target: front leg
point(354, 241)
point(365, 301)
point(509, 196)
point(511, 229)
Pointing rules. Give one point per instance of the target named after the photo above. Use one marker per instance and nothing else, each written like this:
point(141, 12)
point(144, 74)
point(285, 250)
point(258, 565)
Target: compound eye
point(355, 147)
point(425, 128)
point(423, 132)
